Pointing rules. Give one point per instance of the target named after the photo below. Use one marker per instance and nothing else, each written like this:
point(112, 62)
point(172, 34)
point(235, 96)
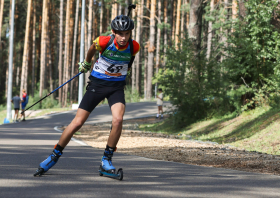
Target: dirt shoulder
point(172, 148)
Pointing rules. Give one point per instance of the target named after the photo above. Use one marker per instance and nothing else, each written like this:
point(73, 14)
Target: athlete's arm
point(91, 52)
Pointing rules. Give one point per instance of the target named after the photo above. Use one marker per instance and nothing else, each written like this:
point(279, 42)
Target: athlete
point(107, 80)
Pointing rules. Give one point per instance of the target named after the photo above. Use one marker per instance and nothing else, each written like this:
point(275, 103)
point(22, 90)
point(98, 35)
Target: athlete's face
point(122, 37)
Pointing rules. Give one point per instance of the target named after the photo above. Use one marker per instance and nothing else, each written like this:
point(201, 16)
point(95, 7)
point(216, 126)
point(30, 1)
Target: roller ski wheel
point(39, 172)
point(111, 173)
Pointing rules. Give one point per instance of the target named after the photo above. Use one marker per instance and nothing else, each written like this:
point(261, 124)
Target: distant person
point(159, 104)
point(16, 101)
point(24, 103)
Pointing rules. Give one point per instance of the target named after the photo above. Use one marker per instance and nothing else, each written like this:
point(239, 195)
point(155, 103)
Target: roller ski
point(48, 163)
point(107, 169)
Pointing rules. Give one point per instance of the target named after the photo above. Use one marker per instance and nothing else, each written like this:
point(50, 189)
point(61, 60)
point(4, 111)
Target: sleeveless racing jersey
point(112, 64)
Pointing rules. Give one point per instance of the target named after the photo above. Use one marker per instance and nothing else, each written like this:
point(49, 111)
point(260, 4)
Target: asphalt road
point(24, 145)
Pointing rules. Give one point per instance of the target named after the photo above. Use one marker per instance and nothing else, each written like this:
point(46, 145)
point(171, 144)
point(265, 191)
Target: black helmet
point(122, 23)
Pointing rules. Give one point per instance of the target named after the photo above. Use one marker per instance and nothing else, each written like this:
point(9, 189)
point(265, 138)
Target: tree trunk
point(114, 10)
point(50, 53)
point(66, 53)
point(74, 48)
point(158, 38)
point(188, 17)
point(43, 47)
point(85, 40)
point(1, 21)
point(133, 69)
point(107, 18)
point(38, 47)
point(33, 49)
point(224, 31)
point(173, 20)
point(170, 13)
point(209, 36)
point(17, 76)
point(90, 22)
point(234, 11)
point(177, 23)
point(60, 70)
point(95, 25)
point(120, 9)
point(195, 22)
point(138, 39)
point(183, 22)
point(101, 17)
point(24, 70)
point(151, 49)
point(145, 70)
point(90, 8)
point(165, 30)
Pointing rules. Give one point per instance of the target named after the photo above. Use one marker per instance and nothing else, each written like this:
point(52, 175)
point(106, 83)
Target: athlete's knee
point(117, 120)
point(77, 123)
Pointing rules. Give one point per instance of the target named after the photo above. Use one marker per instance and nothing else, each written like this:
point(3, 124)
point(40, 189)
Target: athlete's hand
point(84, 66)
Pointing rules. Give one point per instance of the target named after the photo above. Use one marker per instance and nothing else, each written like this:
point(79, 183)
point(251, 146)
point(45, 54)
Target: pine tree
point(74, 48)
point(151, 49)
point(60, 70)
point(33, 48)
point(177, 23)
point(43, 47)
point(24, 70)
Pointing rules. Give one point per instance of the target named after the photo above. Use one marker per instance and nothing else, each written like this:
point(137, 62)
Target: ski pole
point(130, 7)
point(51, 92)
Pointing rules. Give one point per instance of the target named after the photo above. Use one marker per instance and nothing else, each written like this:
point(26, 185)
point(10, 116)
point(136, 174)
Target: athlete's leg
point(73, 127)
point(23, 107)
point(118, 110)
point(116, 102)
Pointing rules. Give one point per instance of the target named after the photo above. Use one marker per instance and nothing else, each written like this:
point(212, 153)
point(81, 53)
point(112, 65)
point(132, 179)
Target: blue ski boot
point(49, 162)
point(106, 168)
point(106, 161)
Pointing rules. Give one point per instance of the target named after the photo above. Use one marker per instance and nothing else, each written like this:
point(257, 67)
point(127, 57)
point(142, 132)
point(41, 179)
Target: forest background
point(210, 57)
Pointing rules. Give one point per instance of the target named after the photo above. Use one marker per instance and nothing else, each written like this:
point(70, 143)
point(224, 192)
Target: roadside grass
point(3, 113)
point(50, 111)
point(255, 130)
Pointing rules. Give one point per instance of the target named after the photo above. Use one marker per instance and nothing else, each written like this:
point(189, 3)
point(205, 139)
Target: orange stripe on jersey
point(113, 74)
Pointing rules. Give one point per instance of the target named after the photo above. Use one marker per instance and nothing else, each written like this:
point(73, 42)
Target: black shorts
point(96, 93)
point(16, 109)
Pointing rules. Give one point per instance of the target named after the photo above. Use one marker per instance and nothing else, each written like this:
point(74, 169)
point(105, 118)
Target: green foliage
point(131, 96)
point(164, 26)
point(248, 76)
point(253, 53)
point(47, 103)
point(3, 107)
point(193, 85)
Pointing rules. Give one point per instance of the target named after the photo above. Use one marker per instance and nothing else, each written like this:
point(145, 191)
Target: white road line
point(73, 139)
